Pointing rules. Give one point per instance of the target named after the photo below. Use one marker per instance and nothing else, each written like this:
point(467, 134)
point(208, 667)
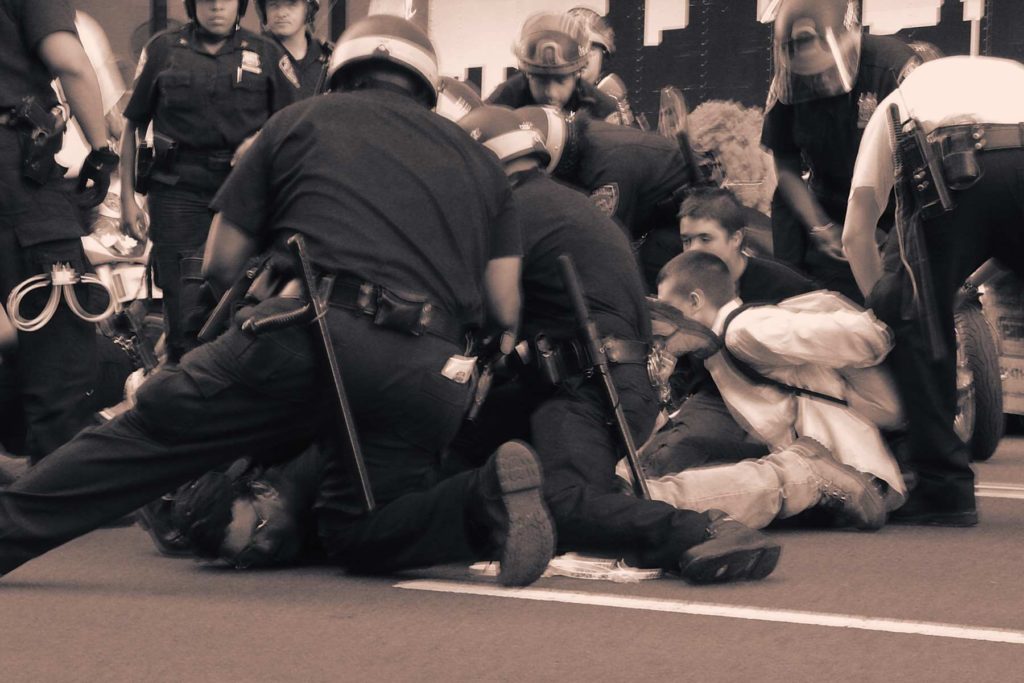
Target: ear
point(736, 238)
point(697, 299)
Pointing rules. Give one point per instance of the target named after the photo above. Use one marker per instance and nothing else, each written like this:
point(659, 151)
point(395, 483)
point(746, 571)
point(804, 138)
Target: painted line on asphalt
point(708, 609)
point(1012, 491)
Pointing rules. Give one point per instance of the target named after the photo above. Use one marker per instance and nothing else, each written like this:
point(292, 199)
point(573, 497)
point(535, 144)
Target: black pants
point(988, 221)
point(572, 431)
point(243, 394)
point(179, 224)
point(54, 368)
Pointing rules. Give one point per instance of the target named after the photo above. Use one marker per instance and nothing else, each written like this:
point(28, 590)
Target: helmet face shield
point(816, 55)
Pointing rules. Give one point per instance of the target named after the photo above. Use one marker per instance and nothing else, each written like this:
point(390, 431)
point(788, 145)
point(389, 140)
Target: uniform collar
point(236, 41)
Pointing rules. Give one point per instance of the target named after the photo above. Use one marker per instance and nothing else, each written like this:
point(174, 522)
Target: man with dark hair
point(414, 235)
point(702, 430)
point(825, 453)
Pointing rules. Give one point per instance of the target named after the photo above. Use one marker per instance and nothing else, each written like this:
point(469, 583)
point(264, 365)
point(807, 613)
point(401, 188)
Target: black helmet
point(816, 48)
point(312, 7)
point(391, 39)
point(508, 135)
point(190, 8)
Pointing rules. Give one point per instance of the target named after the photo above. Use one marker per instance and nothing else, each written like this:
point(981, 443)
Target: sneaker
point(155, 518)
point(852, 494)
point(513, 509)
point(731, 551)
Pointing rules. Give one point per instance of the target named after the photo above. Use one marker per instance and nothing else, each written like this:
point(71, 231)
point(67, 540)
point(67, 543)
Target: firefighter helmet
point(390, 39)
point(552, 44)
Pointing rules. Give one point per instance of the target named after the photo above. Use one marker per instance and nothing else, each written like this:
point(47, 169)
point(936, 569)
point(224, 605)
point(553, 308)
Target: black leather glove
point(96, 168)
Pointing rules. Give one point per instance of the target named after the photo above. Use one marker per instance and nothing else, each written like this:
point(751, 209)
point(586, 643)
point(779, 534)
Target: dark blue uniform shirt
point(210, 101)
point(331, 167)
point(23, 23)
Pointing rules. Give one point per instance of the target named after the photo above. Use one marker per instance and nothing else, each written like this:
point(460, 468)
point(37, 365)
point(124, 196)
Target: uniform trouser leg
point(54, 367)
point(179, 223)
point(579, 449)
point(986, 222)
point(703, 431)
point(754, 492)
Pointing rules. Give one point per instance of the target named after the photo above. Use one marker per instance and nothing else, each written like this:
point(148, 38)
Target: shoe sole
point(867, 513)
point(751, 563)
point(530, 541)
point(947, 519)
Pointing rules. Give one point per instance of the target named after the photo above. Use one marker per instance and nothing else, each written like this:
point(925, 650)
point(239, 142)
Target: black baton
point(298, 247)
point(589, 333)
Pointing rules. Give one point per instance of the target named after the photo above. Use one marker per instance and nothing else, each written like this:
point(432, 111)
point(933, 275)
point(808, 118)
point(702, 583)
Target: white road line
point(1013, 491)
point(708, 609)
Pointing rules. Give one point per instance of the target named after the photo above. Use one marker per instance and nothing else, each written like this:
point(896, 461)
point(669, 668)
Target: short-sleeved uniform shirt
point(311, 68)
point(23, 23)
point(827, 132)
point(630, 174)
point(984, 90)
point(515, 93)
point(557, 220)
point(210, 101)
point(383, 190)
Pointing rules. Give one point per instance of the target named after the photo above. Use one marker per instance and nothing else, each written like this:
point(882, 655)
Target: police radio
point(921, 160)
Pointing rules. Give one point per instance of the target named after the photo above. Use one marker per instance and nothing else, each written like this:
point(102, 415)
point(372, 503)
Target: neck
point(738, 266)
point(210, 42)
point(297, 44)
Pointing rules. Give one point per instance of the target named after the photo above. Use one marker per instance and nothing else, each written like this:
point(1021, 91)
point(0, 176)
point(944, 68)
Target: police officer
point(829, 78)
point(553, 50)
point(291, 22)
point(416, 226)
point(637, 177)
point(564, 413)
point(55, 365)
point(205, 87)
point(972, 111)
point(598, 70)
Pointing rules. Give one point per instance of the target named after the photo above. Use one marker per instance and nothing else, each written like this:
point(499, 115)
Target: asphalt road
point(902, 604)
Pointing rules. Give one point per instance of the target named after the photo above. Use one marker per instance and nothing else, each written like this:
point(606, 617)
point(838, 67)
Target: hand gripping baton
point(592, 340)
point(319, 308)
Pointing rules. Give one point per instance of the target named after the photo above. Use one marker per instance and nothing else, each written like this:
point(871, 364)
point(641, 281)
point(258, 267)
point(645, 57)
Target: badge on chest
point(251, 62)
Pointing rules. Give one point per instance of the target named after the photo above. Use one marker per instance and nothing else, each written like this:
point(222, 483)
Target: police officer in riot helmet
point(552, 51)
point(602, 44)
point(564, 414)
point(291, 23)
point(413, 235)
point(197, 130)
point(635, 176)
point(52, 371)
point(828, 79)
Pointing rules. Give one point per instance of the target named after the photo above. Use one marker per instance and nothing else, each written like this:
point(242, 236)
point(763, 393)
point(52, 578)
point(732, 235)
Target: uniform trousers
point(988, 221)
point(572, 429)
point(54, 368)
point(242, 394)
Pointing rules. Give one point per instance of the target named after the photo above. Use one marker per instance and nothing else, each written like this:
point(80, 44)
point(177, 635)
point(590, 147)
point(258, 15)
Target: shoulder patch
point(285, 65)
point(606, 198)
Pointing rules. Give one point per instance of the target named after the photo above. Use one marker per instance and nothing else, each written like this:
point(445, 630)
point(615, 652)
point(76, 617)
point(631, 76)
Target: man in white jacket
point(827, 450)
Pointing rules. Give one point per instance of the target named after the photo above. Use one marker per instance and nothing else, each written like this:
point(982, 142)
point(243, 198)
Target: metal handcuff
point(61, 279)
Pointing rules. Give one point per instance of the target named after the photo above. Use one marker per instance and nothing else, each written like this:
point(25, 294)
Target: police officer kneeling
point(416, 223)
point(951, 141)
point(562, 410)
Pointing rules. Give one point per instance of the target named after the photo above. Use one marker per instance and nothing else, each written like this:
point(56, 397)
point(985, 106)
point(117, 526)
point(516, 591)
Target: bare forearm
point(228, 249)
point(859, 239)
point(64, 55)
point(798, 195)
point(129, 147)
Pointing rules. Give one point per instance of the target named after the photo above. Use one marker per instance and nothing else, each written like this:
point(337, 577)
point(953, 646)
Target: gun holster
point(923, 159)
point(156, 161)
point(42, 132)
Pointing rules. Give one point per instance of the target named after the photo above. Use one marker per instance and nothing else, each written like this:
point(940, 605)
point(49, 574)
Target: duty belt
point(559, 360)
point(980, 137)
point(215, 160)
point(396, 311)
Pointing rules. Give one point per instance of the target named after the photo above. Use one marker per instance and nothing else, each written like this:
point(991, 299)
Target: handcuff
point(61, 279)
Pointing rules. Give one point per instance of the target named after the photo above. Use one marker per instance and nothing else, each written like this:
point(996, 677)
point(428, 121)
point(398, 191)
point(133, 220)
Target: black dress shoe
point(925, 512)
point(155, 518)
